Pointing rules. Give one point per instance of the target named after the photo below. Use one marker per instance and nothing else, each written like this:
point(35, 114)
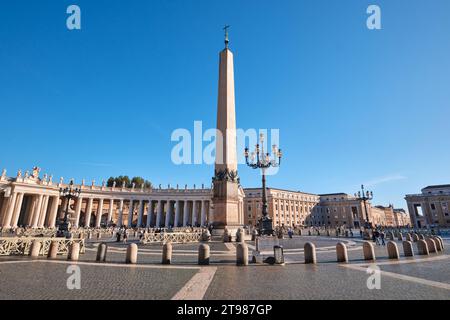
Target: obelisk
point(227, 196)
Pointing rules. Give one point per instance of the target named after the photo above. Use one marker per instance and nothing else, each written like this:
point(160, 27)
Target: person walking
point(382, 236)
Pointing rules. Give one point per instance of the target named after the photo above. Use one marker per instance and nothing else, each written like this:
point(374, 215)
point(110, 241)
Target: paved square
point(420, 278)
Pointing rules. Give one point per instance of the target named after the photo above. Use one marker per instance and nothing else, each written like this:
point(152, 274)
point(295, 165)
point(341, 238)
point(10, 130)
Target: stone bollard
point(415, 237)
point(408, 249)
point(74, 251)
point(438, 238)
point(53, 251)
point(203, 254)
point(431, 245)
point(438, 244)
point(408, 237)
point(101, 252)
point(341, 252)
point(390, 235)
point(241, 254)
point(90, 235)
point(132, 251)
point(392, 250)
point(35, 249)
point(369, 251)
point(421, 237)
point(422, 247)
point(400, 236)
point(310, 253)
point(167, 253)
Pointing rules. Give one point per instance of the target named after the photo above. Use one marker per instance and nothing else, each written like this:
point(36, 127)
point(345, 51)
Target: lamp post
point(263, 161)
point(365, 196)
point(68, 193)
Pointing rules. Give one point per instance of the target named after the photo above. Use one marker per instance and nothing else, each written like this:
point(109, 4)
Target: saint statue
point(35, 172)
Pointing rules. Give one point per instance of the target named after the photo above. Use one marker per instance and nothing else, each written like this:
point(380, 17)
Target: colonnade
point(141, 213)
point(43, 210)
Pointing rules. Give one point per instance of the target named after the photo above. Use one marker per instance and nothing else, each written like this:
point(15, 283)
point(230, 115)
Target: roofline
point(285, 190)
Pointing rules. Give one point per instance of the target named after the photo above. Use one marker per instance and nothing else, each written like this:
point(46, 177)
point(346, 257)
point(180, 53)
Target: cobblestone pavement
point(408, 278)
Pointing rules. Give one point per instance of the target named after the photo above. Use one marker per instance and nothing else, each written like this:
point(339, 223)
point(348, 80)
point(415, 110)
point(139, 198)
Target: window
point(418, 210)
point(433, 207)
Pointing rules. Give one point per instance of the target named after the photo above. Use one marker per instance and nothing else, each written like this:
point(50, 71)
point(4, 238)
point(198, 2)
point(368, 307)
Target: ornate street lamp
point(365, 196)
point(68, 193)
point(263, 161)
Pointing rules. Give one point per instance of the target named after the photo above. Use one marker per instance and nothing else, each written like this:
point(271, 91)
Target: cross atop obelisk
point(227, 41)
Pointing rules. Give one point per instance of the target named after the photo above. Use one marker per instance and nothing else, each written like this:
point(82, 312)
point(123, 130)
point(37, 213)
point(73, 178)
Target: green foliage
point(138, 181)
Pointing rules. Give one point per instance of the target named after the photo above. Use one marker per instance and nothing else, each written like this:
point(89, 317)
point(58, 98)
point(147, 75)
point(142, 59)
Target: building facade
point(296, 208)
point(431, 207)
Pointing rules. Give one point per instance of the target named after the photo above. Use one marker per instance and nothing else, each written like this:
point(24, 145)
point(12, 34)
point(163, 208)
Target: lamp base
point(265, 226)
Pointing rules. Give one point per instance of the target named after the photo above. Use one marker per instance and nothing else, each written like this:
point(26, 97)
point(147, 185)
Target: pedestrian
point(125, 236)
point(382, 236)
point(377, 237)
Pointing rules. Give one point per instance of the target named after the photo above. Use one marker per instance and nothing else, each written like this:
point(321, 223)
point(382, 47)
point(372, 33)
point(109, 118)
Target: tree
point(138, 181)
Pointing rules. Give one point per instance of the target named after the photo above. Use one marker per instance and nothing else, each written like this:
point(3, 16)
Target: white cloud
point(390, 178)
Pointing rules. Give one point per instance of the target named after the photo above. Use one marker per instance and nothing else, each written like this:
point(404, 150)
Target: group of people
point(378, 237)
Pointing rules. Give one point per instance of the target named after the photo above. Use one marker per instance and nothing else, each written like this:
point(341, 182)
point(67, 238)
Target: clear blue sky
point(353, 106)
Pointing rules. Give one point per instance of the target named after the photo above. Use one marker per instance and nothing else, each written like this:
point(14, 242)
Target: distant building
point(297, 208)
point(431, 207)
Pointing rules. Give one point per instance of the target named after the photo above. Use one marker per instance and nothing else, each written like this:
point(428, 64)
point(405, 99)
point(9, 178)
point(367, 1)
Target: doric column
point(53, 212)
point(43, 213)
point(120, 219)
point(149, 213)
point(98, 219)
point(168, 213)
point(130, 214)
point(186, 213)
point(111, 211)
point(140, 213)
point(17, 210)
point(29, 211)
point(177, 214)
point(203, 213)
point(10, 210)
point(37, 211)
point(87, 220)
point(78, 212)
point(194, 213)
point(159, 214)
